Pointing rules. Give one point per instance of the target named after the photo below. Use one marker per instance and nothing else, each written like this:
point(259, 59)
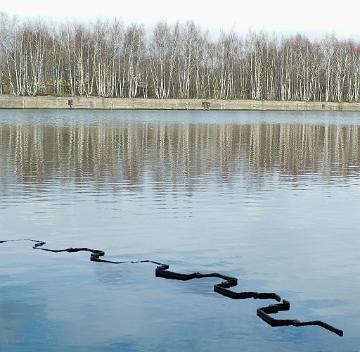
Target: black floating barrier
point(264, 312)
point(223, 288)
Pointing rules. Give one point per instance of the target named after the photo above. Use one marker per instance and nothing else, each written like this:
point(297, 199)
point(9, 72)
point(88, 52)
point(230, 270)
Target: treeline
point(173, 61)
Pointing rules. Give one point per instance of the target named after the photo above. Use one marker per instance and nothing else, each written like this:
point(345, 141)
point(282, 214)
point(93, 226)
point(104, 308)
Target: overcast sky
point(312, 17)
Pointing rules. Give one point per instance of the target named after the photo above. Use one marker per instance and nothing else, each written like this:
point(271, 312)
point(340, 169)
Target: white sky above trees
point(311, 17)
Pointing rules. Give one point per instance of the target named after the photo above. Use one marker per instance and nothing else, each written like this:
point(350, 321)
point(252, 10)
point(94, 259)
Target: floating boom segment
point(222, 288)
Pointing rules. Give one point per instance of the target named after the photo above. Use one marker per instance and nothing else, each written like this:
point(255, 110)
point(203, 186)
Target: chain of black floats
point(223, 288)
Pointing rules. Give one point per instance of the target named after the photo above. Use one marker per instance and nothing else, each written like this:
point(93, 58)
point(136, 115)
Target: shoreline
point(98, 103)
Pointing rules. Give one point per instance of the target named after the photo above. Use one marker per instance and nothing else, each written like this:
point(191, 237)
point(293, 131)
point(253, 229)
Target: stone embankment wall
point(50, 102)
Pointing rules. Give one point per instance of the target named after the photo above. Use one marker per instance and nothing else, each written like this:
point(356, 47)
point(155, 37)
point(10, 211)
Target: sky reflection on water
point(272, 198)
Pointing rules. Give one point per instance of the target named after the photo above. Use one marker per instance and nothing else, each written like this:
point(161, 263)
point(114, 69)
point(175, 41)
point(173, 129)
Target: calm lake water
point(272, 198)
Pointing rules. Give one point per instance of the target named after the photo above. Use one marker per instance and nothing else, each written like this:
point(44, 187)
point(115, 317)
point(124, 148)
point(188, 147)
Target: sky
point(311, 17)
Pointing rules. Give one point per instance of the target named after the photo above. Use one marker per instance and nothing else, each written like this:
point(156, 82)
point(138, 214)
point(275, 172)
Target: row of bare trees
point(173, 61)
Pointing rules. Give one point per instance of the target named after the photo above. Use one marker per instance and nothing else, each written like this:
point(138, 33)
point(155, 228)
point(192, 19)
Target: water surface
point(272, 198)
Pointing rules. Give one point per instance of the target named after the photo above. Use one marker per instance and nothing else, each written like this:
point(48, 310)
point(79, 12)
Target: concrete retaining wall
point(50, 102)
